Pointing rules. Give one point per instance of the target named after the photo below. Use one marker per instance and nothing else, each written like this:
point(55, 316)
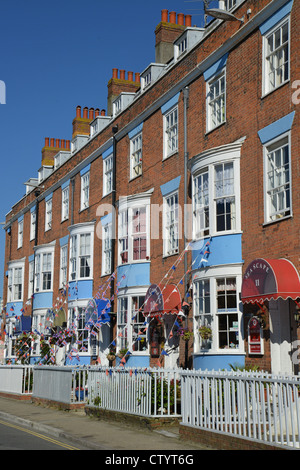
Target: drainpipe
point(186, 156)
point(113, 241)
point(36, 238)
point(72, 200)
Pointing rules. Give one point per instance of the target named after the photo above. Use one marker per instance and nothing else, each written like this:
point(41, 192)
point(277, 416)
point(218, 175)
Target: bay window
point(81, 251)
point(134, 228)
point(217, 316)
point(15, 284)
point(216, 191)
point(131, 323)
point(43, 275)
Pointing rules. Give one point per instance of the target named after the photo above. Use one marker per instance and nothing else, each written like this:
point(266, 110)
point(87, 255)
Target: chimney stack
point(81, 122)
point(166, 32)
point(51, 148)
point(118, 84)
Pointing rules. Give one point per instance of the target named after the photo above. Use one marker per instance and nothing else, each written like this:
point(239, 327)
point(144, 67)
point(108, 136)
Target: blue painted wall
point(80, 289)
point(217, 361)
point(135, 274)
point(223, 249)
point(16, 309)
point(42, 300)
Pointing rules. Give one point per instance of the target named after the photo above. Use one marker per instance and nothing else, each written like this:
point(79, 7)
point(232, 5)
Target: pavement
point(90, 432)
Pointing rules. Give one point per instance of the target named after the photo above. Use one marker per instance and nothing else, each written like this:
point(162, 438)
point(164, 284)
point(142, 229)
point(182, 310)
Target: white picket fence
point(142, 392)
point(256, 406)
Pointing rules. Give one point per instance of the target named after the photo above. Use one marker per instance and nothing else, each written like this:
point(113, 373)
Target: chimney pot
point(164, 15)
point(188, 20)
point(78, 111)
point(130, 76)
point(51, 142)
point(57, 143)
point(85, 112)
point(68, 144)
point(46, 141)
point(115, 73)
point(122, 74)
point(102, 112)
point(180, 19)
point(97, 112)
point(137, 77)
point(62, 143)
point(172, 18)
point(91, 114)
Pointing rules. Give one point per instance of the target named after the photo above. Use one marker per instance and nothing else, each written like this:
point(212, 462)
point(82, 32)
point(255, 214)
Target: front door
point(280, 337)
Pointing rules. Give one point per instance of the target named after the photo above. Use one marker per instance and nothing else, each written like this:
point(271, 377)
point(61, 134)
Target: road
point(15, 437)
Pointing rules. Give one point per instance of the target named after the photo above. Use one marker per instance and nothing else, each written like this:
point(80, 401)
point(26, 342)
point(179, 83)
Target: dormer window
point(186, 41)
point(121, 102)
point(182, 46)
point(229, 4)
point(78, 142)
point(151, 74)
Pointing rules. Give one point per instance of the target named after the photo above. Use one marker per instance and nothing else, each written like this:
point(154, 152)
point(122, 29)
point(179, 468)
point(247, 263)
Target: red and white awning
point(267, 279)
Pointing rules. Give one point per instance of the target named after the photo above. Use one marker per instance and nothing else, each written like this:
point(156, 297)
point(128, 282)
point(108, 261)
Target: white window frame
point(213, 106)
point(266, 83)
point(128, 208)
point(30, 278)
point(212, 313)
point(32, 224)
point(65, 199)
point(20, 232)
point(171, 223)
point(77, 314)
point(280, 142)
point(77, 254)
point(136, 155)
point(170, 123)
point(132, 325)
point(108, 174)
point(106, 248)
point(48, 214)
point(44, 259)
point(15, 274)
point(207, 161)
point(63, 272)
point(85, 190)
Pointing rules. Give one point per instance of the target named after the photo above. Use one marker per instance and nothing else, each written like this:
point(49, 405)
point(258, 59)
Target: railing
point(61, 384)
point(252, 406)
point(144, 392)
point(16, 379)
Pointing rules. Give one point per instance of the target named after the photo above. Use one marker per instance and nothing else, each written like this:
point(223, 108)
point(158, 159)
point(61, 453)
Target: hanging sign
point(255, 336)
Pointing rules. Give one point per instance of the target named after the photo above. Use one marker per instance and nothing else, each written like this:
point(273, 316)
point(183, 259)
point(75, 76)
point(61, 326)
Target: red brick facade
point(247, 112)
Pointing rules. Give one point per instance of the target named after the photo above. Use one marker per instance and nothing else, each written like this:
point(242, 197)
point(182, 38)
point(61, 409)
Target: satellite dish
point(222, 14)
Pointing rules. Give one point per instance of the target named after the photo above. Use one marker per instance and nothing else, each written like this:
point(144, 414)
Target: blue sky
point(60, 54)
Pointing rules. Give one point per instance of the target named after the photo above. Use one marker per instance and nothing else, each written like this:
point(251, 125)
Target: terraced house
point(167, 226)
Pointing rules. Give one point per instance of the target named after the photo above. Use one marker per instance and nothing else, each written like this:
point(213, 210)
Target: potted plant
point(122, 353)
point(111, 356)
point(186, 334)
point(205, 332)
